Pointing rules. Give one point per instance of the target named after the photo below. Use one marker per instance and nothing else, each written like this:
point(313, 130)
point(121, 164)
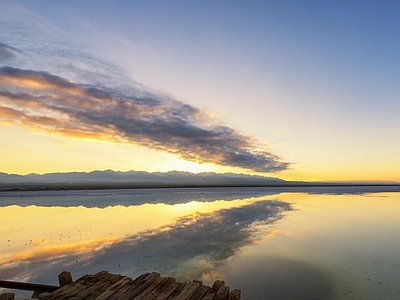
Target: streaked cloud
point(43, 101)
point(49, 83)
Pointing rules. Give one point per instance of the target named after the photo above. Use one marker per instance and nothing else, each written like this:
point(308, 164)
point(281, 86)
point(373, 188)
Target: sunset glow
point(307, 93)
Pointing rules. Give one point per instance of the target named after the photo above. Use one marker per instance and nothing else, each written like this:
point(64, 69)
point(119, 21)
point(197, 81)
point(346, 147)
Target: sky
point(300, 91)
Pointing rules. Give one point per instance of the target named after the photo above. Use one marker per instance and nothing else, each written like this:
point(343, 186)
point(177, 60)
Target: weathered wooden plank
point(70, 289)
point(89, 293)
point(146, 294)
point(201, 292)
point(214, 290)
point(188, 291)
point(144, 284)
point(222, 294)
point(217, 285)
point(126, 288)
point(100, 277)
point(178, 290)
point(7, 296)
point(95, 278)
point(235, 295)
point(98, 288)
point(140, 278)
point(209, 295)
point(110, 281)
point(160, 288)
point(113, 288)
point(168, 291)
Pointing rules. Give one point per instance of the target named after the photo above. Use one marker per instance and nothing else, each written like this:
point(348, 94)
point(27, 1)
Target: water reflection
point(290, 246)
point(274, 277)
point(129, 197)
point(201, 240)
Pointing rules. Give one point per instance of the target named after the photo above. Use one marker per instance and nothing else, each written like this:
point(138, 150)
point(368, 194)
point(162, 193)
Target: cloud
point(47, 83)
point(7, 53)
point(40, 100)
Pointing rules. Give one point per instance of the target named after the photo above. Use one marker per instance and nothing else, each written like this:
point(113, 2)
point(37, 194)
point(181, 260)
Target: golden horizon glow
point(39, 152)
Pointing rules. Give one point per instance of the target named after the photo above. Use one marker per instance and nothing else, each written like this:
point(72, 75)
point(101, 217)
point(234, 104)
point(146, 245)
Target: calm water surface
point(308, 243)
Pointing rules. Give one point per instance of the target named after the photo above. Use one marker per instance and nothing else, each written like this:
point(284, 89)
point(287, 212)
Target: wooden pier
point(107, 286)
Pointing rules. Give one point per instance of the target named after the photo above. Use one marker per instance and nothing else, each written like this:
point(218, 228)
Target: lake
point(272, 243)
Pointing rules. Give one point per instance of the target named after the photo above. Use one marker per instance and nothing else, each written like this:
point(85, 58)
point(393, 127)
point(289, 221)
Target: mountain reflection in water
point(195, 241)
point(270, 245)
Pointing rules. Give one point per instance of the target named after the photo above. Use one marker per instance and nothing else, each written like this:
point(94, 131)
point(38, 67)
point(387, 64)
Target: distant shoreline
point(9, 187)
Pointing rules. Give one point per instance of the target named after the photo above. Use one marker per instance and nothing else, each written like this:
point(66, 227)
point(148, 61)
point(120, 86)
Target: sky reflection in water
point(286, 246)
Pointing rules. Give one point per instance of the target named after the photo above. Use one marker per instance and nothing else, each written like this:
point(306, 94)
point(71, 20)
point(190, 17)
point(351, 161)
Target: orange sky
point(78, 93)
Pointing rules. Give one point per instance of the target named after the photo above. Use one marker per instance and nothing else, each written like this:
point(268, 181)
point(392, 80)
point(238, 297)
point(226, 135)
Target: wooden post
point(64, 278)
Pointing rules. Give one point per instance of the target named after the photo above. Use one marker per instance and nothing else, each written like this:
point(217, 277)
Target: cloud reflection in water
point(193, 245)
point(208, 238)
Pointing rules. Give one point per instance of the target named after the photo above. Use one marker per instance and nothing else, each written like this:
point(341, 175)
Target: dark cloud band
point(48, 102)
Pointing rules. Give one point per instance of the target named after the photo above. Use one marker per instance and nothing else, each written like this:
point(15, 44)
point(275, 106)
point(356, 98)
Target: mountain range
point(110, 178)
point(139, 179)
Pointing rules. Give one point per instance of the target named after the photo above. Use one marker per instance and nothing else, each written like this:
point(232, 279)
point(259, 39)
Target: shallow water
point(313, 243)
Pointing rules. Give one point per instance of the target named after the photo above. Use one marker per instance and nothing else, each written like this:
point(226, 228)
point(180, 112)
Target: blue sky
point(315, 84)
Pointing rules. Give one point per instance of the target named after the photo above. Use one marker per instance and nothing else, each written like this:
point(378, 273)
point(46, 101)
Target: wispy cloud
point(7, 53)
point(47, 102)
point(48, 84)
